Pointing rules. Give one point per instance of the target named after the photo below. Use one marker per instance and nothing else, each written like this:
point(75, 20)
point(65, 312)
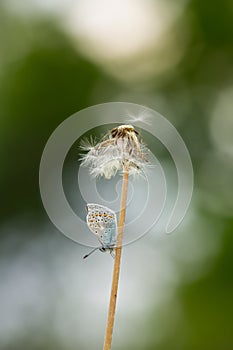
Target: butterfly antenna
point(86, 256)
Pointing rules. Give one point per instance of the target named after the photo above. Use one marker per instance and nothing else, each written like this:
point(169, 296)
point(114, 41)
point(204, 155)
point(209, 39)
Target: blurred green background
point(57, 57)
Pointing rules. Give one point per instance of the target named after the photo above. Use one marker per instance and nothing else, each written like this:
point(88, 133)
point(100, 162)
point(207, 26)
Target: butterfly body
point(102, 222)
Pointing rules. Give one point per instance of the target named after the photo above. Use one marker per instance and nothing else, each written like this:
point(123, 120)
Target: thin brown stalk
point(117, 263)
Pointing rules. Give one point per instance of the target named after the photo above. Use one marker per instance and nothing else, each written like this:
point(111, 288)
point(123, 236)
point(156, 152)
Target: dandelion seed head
point(121, 148)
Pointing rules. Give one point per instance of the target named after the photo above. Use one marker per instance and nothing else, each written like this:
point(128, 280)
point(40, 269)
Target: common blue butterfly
point(102, 222)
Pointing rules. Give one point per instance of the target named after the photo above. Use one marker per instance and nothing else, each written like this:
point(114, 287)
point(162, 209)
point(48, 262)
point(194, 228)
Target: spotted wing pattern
point(102, 222)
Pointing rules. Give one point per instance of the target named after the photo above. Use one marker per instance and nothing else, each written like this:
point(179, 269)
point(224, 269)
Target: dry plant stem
point(117, 263)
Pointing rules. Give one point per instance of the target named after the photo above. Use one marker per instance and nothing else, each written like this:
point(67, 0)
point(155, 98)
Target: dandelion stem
point(117, 262)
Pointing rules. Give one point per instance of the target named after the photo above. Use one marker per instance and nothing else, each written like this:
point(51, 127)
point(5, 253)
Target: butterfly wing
point(102, 222)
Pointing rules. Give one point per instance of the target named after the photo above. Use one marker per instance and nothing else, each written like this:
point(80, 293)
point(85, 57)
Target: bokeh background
point(57, 57)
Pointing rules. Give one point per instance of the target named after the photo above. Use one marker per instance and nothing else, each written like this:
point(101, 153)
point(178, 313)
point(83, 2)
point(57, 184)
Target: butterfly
point(102, 222)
